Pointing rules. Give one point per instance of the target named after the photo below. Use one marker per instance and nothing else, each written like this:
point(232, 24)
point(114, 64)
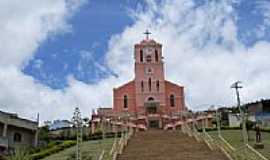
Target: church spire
point(147, 33)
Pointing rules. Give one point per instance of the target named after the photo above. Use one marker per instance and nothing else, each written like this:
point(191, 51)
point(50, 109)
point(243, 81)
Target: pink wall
point(118, 97)
point(178, 92)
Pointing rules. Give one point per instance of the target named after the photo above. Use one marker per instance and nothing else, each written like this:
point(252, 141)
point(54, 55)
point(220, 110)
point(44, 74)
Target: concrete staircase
point(167, 145)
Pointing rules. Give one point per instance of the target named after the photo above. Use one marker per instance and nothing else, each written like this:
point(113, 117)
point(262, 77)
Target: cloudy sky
point(59, 54)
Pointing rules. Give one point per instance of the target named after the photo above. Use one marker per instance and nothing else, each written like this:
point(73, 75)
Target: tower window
point(157, 85)
point(141, 55)
point(142, 86)
point(125, 101)
point(149, 84)
point(156, 55)
point(172, 103)
point(148, 58)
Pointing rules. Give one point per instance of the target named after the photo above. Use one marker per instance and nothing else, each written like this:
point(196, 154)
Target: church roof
point(151, 42)
point(128, 83)
point(169, 82)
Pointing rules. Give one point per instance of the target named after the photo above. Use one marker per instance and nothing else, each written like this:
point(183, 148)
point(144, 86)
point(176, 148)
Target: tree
point(43, 133)
point(249, 126)
point(77, 123)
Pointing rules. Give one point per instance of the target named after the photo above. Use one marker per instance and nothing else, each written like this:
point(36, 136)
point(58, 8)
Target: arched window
point(156, 55)
point(148, 59)
point(172, 103)
point(141, 55)
point(142, 86)
point(17, 137)
point(125, 101)
point(151, 99)
point(157, 85)
point(149, 84)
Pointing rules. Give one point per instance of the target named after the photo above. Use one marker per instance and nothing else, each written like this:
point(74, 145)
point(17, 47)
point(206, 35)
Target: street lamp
point(237, 86)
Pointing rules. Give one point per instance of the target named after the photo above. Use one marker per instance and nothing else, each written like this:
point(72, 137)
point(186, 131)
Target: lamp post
point(237, 86)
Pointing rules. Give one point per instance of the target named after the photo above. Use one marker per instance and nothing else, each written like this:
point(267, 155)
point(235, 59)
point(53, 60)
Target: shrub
point(20, 154)
point(266, 130)
point(49, 145)
point(53, 150)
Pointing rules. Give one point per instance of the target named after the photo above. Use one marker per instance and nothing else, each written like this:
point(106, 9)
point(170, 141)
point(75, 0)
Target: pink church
point(149, 96)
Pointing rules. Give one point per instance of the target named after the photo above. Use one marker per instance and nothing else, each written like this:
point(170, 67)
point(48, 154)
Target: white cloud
point(201, 51)
point(200, 47)
point(23, 27)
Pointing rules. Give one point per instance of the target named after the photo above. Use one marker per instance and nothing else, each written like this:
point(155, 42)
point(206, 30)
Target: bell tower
point(149, 73)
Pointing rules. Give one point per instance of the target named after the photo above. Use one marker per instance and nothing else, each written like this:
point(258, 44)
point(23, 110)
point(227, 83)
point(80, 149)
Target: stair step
point(167, 145)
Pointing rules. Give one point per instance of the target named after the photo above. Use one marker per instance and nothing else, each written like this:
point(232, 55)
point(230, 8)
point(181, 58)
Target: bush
point(53, 150)
point(232, 128)
point(20, 154)
point(49, 145)
point(98, 135)
point(266, 130)
point(222, 128)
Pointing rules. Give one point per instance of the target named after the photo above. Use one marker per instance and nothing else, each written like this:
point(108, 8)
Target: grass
point(234, 137)
point(90, 149)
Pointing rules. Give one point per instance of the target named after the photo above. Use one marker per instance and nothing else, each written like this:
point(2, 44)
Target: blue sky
point(59, 54)
point(92, 27)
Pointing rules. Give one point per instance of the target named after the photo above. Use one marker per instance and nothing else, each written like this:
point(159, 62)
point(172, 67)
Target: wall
point(178, 93)
point(28, 136)
point(118, 98)
point(234, 120)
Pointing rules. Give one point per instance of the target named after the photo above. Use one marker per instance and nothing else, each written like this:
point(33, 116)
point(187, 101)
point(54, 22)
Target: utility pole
point(218, 122)
point(236, 86)
point(77, 122)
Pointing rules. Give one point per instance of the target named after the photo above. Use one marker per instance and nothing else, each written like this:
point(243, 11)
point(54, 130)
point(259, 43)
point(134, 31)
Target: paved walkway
point(167, 145)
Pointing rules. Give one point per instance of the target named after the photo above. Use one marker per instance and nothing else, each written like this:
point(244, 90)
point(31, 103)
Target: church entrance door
point(154, 124)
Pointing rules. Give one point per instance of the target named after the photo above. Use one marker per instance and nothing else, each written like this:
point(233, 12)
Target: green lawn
point(235, 139)
point(88, 149)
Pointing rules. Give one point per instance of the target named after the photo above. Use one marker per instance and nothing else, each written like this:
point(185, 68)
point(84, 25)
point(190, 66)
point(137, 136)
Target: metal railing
point(119, 145)
point(245, 152)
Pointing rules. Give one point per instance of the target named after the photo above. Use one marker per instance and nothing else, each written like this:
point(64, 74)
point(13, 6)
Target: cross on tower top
point(147, 33)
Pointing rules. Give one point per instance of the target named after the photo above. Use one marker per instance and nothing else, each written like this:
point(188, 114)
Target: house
point(235, 119)
point(259, 106)
point(261, 111)
point(59, 124)
point(16, 132)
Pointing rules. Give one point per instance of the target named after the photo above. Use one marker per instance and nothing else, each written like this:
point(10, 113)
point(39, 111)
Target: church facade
point(149, 97)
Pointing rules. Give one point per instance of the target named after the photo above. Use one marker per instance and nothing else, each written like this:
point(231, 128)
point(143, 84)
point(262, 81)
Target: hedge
point(95, 136)
point(53, 150)
point(57, 146)
point(232, 128)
